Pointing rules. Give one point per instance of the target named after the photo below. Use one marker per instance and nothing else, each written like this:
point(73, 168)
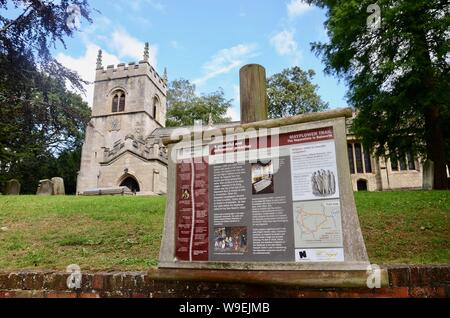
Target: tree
point(398, 73)
point(39, 118)
point(37, 132)
point(292, 93)
point(184, 106)
point(27, 38)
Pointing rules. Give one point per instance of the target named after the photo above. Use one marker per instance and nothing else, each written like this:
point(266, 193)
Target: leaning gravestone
point(45, 187)
point(12, 187)
point(58, 186)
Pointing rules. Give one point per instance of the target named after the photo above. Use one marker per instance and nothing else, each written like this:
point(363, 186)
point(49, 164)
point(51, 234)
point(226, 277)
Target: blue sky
point(205, 41)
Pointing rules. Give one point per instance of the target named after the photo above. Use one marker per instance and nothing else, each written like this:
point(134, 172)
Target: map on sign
point(317, 224)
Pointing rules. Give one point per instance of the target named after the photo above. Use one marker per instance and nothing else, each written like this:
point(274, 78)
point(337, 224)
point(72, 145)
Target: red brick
point(398, 276)
point(117, 281)
point(139, 282)
point(3, 281)
point(97, 282)
point(61, 295)
point(427, 292)
point(88, 295)
point(14, 281)
point(129, 281)
point(434, 276)
point(87, 281)
point(7, 294)
point(114, 294)
point(415, 276)
point(29, 294)
point(314, 294)
point(109, 282)
point(33, 281)
point(56, 281)
point(396, 292)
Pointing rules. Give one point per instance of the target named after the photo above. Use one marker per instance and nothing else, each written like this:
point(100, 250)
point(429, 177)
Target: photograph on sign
point(230, 239)
point(262, 177)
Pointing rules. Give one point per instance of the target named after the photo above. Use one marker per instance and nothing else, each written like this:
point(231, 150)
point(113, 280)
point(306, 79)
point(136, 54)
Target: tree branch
point(11, 23)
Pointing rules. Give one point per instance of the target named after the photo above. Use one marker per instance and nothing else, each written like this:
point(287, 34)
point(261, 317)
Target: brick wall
point(404, 282)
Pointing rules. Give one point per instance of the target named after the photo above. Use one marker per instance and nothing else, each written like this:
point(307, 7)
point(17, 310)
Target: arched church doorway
point(362, 185)
point(131, 183)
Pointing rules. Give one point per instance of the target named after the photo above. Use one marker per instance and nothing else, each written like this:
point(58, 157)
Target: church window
point(350, 158)
point(155, 107)
point(403, 165)
point(411, 161)
point(359, 158)
point(122, 103)
point(406, 162)
point(367, 161)
point(118, 101)
point(115, 102)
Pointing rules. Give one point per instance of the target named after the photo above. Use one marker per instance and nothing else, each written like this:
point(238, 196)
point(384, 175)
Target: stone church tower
point(123, 139)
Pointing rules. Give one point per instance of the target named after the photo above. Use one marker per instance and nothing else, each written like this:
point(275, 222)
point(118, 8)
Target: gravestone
point(428, 175)
point(45, 187)
point(12, 187)
point(58, 186)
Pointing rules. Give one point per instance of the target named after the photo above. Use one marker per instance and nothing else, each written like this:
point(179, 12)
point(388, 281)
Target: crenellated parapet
point(132, 69)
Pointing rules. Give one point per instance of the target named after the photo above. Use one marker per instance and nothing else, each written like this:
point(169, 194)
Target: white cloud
point(85, 66)
point(100, 24)
point(296, 8)
point(127, 46)
point(226, 60)
point(156, 5)
point(285, 45)
point(136, 5)
point(234, 112)
point(237, 94)
point(121, 46)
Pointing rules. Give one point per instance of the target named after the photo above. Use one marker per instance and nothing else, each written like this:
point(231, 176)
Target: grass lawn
point(97, 233)
point(406, 227)
point(124, 233)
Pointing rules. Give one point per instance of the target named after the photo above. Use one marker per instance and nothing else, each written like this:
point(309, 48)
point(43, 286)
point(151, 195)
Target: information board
point(271, 199)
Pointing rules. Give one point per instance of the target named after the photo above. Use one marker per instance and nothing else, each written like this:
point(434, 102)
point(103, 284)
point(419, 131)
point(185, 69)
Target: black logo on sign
point(302, 254)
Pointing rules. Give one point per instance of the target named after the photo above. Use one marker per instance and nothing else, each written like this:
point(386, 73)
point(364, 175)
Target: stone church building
point(123, 144)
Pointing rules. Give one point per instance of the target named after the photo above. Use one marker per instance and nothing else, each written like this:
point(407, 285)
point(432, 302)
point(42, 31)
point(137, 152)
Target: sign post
point(265, 195)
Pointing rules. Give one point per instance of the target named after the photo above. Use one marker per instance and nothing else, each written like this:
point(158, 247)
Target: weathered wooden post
point(253, 93)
